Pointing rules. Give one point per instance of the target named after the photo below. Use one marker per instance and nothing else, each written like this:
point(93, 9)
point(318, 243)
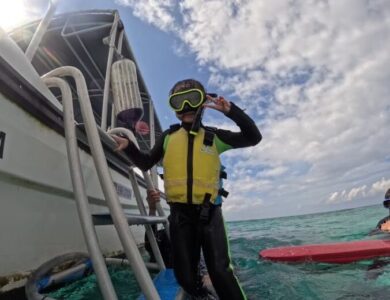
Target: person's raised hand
point(219, 103)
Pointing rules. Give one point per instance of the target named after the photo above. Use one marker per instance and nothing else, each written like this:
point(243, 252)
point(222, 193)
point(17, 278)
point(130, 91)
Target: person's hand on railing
point(153, 197)
point(122, 143)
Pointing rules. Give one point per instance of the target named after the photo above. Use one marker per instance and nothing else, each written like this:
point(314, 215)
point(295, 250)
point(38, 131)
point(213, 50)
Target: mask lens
point(193, 97)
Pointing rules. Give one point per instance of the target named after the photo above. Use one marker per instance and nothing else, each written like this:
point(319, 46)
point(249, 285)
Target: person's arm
point(249, 134)
point(142, 159)
point(153, 196)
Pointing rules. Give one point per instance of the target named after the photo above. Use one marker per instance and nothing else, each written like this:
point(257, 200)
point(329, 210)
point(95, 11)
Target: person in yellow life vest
point(190, 157)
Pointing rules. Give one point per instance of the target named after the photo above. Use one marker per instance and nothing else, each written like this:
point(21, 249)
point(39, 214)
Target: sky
point(313, 74)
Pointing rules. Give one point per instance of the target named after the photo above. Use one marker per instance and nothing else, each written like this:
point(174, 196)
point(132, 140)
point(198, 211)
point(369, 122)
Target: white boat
point(38, 215)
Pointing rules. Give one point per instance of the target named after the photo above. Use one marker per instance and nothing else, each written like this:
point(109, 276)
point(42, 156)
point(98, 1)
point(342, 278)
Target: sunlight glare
point(12, 13)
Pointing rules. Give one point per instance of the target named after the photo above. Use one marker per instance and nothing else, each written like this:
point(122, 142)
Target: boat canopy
point(82, 40)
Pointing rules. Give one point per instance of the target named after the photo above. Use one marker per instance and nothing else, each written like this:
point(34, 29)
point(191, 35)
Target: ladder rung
point(132, 219)
point(152, 266)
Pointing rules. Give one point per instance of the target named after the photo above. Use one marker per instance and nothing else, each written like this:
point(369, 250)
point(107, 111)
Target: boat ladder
point(117, 216)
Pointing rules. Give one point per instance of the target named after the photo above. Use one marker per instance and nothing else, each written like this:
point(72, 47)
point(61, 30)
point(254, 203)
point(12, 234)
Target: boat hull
point(38, 214)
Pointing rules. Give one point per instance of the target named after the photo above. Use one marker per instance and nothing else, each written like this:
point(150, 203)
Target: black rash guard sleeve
point(147, 159)
point(249, 134)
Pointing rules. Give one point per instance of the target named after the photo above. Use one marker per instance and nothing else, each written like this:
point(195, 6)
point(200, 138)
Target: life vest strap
point(224, 193)
point(174, 127)
point(223, 175)
point(208, 139)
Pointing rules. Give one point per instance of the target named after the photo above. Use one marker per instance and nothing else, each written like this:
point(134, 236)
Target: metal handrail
point(107, 81)
point(40, 31)
point(127, 239)
point(99, 265)
point(152, 137)
point(86, 69)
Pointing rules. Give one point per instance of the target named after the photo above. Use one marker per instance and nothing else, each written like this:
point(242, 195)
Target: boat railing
point(69, 32)
point(119, 219)
point(41, 30)
point(73, 28)
point(108, 70)
point(81, 198)
point(118, 216)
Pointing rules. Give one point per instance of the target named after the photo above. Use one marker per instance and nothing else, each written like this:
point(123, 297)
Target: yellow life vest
point(191, 168)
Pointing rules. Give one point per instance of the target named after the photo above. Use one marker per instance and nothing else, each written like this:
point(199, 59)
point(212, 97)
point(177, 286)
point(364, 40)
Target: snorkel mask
point(189, 96)
point(186, 101)
point(189, 101)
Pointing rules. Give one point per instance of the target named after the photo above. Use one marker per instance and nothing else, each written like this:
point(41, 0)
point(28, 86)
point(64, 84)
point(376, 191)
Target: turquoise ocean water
point(266, 280)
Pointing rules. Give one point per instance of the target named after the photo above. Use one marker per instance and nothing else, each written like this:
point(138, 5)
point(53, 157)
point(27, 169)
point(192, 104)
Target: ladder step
point(132, 219)
point(166, 285)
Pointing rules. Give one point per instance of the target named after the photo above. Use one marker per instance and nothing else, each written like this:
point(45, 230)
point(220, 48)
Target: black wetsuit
point(188, 232)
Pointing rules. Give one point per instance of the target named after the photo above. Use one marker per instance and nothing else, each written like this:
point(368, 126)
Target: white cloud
point(313, 74)
point(241, 206)
point(357, 192)
point(279, 170)
point(376, 190)
point(333, 197)
point(380, 186)
point(157, 12)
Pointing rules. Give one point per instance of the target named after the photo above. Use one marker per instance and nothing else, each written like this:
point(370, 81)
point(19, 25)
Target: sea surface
point(266, 280)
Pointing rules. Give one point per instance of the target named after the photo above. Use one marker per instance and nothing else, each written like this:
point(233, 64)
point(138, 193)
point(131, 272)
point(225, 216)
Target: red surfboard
point(340, 253)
